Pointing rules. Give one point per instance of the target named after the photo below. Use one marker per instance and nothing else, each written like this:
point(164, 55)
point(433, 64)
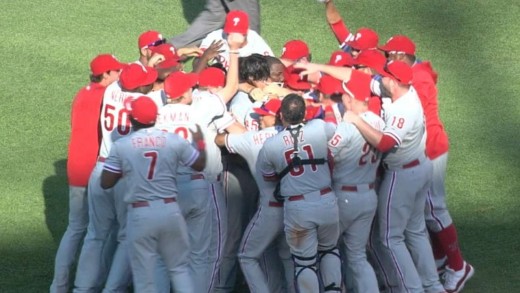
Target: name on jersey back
point(149, 142)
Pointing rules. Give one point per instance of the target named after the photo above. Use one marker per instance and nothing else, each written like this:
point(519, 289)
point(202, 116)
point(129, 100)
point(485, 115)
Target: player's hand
point(274, 89)
point(308, 68)
point(197, 135)
point(350, 117)
point(257, 94)
point(189, 52)
point(213, 50)
point(236, 41)
point(156, 59)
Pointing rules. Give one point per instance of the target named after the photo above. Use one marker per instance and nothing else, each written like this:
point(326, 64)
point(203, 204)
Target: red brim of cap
point(151, 76)
point(168, 63)
point(262, 112)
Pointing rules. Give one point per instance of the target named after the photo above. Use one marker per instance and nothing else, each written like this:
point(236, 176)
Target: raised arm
point(235, 42)
point(341, 73)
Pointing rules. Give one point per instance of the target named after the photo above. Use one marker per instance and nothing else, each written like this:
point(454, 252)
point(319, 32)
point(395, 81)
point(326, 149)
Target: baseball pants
point(265, 230)
point(106, 211)
point(212, 18)
point(241, 195)
point(218, 230)
point(406, 257)
point(312, 226)
point(357, 208)
point(69, 244)
point(154, 231)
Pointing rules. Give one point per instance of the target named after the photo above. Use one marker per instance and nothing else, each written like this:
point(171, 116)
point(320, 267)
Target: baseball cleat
point(454, 281)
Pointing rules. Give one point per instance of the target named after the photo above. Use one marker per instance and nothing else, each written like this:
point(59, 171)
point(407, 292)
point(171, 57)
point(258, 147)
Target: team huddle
point(292, 175)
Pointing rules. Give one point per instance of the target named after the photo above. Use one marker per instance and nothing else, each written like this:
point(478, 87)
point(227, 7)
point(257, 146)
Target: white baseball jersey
point(242, 109)
point(210, 113)
point(177, 118)
point(159, 97)
point(149, 158)
point(312, 144)
point(114, 116)
point(255, 44)
point(355, 160)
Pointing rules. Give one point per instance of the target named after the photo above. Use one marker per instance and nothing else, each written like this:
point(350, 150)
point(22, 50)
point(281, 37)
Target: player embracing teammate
point(310, 178)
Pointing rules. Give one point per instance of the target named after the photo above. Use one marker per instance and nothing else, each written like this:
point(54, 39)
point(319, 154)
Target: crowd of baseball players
point(256, 168)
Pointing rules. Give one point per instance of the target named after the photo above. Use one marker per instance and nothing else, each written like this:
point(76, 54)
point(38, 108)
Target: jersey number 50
point(123, 123)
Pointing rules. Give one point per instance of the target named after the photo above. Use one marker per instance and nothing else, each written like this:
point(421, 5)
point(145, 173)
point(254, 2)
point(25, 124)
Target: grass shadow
point(55, 190)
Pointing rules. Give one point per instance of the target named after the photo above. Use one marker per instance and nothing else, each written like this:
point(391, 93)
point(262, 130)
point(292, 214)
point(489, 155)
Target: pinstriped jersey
point(405, 123)
point(249, 145)
point(210, 112)
point(149, 158)
point(114, 116)
point(312, 144)
point(178, 119)
point(355, 160)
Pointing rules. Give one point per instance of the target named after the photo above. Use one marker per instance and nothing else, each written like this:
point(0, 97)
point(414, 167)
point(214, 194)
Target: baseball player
point(438, 220)
point(149, 158)
point(210, 112)
point(363, 39)
point(83, 151)
point(213, 17)
point(237, 21)
point(400, 209)
point(295, 51)
point(105, 214)
point(176, 117)
point(355, 166)
point(266, 225)
point(297, 158)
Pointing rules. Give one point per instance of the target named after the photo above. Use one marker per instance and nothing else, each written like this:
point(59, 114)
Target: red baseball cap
point(341, 58)
point(399, 44)
point(269, 107)
point(170, 55)
point(293, 80)
point(177, 83)
point(150, 39)
point(103, 63)
point(364, 39)
point(329, 85)
point(237, 21)
point(212, 77)
point(295, 50)
point(359, 86)
point(135, 75)
point(371, 58)
point(144, 110)
point(399, 71)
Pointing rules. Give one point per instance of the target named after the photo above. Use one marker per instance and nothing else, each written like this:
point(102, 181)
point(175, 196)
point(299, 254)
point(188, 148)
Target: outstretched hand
point(236, 41)
point(308, 68)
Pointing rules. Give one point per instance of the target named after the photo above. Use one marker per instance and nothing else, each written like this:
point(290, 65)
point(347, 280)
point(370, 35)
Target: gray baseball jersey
point(355, 160)
point(312, 144)
point(242, 109)
point(150, 157)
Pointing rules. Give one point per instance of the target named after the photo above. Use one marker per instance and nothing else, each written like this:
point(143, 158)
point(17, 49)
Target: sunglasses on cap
point(156, 43)
point(359, 66)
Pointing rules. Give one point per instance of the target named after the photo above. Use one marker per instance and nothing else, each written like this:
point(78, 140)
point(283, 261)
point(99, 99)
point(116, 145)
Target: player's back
point(404, 120)
point(150, 158)
point(312, 144)
point(355, 160)
point(114, 117)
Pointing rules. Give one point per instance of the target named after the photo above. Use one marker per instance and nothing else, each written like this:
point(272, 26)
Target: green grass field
point(474, 45)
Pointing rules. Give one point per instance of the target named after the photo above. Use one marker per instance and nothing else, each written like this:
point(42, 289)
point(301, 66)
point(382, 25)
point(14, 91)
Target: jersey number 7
point(151, 168)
